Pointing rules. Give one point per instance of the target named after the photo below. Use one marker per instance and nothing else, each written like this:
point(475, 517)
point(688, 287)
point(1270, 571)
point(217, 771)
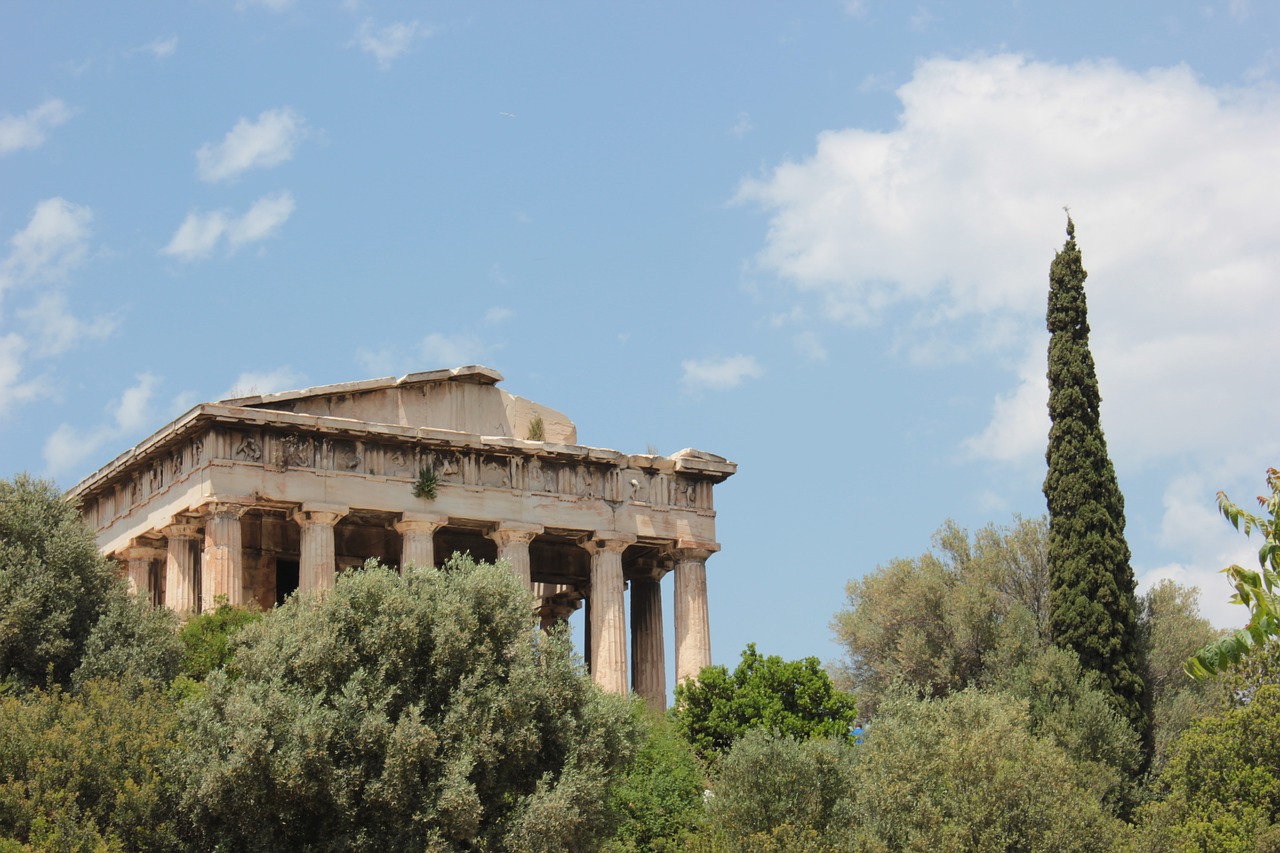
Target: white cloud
point(855, 8)
point(498, 314)
point(15, 388)
point(30, 129)
point(809, 345)
point(261, 220)
point(261, 144)
point(441, 350)
point(200, 233)
point(41, 256)
point(252, 383)
point(719, 373)
point(742, 126)
point(55, 240)
point(161, 48)
point(1019, 426)
point(949, 221)
point(386, 44)
point(1240, 10)
point(921, 20)
point(56, 330)
point(270, 5)
point(67, 448)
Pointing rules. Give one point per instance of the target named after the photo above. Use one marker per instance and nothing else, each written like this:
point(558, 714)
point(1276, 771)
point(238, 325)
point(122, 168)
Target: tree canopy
point(936, 623)
point(408, 712)
point(791, 698)
point(1093, 606)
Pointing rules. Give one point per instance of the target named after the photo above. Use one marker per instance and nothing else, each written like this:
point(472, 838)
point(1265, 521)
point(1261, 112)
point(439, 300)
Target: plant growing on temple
point(537, 430)
point(1258, 590)
point(425, 486)
point(791, 698)
point(1093, 609)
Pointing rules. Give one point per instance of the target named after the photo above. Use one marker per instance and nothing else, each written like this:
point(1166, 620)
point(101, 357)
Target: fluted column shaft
point(222, 565)
point(318, 564)
point(139, 559)
point(693, 626)
point(648, 660)
point(417, 539)
point(180, 568)
point(513, 546)
point(607, 612)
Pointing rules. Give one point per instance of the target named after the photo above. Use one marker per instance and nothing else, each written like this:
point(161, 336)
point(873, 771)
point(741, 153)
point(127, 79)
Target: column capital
point(181, 530)
point(693, 549)
point(610, 542)
point(512, 533)
point(225, 506)
point(143, 552)
point(419, 522)
point(327, 514)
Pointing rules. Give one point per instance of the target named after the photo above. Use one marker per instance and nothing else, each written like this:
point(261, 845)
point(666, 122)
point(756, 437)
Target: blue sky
point(811, 237)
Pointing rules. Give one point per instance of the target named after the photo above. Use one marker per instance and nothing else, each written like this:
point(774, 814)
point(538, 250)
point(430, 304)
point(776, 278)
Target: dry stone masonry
point(253, 498)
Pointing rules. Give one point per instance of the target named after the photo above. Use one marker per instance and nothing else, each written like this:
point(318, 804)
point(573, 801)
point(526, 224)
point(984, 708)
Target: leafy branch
point(1257, 590)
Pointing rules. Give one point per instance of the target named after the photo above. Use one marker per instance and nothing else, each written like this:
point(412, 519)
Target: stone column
point(417, 539)
point(556, 603)
point(513, 546)
point(648, 661)
point(318, 565)
point(180, 568)
point(222, 565)
point(139, 558)
point(693, 628)
point(607, 612)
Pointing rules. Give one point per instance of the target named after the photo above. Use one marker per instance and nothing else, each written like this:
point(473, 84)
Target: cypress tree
point(1092, 606)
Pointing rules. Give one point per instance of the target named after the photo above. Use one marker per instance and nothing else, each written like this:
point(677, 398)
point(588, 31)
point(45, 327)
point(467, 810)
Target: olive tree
point(411, 712)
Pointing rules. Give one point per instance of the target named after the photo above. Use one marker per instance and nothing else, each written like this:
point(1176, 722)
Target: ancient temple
point(256, 497)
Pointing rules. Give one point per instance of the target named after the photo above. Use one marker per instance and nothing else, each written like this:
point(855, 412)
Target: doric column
point(317, 566)
point(607, 612)
point(693, 628)
point(138, 560)
point(648, 661)
point(556, 603)
point(222, 564)
point(417, 539)
point(180, 568)
point(513, 546)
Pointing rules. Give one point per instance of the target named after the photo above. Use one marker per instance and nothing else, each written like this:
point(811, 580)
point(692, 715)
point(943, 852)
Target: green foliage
point(404, 713)
point(964, 773)
point(772, 789)
point(1222, 783)
point(425, 486)
point(936, 623)
point(1093, 608)
point(1171, 630)
point(54, 585)
point(537, 430)
point(1257, 590)
point(790, 698)
point(206, 638)
point(131, 643)
point(85, 771)
point(657, 804)
point(1066, 705)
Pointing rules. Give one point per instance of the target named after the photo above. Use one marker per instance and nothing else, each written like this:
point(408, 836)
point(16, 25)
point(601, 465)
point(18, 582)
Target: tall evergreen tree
point(1093, 608)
